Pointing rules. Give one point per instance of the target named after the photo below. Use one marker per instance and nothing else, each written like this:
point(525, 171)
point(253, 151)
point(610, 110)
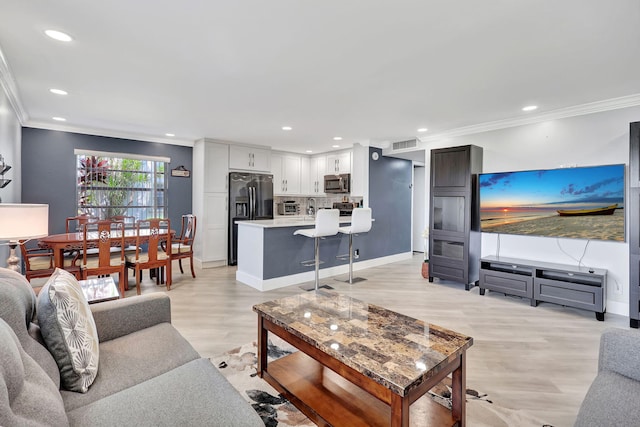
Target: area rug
point(239, 366)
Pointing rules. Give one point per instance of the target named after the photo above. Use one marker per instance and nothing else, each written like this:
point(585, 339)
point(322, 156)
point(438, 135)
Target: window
point(111, 184)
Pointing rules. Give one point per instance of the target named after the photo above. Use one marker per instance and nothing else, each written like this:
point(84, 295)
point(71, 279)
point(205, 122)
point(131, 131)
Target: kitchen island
point(270, 256)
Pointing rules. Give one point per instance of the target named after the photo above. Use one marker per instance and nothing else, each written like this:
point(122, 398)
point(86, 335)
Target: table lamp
point(21, 221)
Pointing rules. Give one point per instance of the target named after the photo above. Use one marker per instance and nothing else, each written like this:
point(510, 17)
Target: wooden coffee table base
point(330, 393)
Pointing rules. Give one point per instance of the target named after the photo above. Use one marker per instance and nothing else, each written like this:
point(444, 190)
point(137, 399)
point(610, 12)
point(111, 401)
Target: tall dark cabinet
point(454, 223)
point(633, 204)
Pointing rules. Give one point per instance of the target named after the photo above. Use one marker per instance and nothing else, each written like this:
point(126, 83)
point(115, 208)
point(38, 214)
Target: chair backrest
point(104, 235)
point(129, 220)
point(188, 232)
point(75, 223)
point(156, 229)
point(361, 220)
point(327, 222)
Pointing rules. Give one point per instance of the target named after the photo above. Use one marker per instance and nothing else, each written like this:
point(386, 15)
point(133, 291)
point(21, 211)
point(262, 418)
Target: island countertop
point(293, 221)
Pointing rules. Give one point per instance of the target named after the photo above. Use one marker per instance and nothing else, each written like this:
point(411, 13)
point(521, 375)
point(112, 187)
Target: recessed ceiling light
point(58, 91)
point(423, 130)
point(58, 35)
point(337, 138)
point(530, 108)
point(170, 134)
point(59, 119)
point(335, 146)
point(286, 128)
point(309, 151)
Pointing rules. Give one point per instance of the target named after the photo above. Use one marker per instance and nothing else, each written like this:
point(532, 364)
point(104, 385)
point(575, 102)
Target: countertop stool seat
point(327, 224)
point(360, 223)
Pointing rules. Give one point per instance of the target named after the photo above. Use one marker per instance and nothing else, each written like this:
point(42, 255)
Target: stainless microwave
point(339, 183)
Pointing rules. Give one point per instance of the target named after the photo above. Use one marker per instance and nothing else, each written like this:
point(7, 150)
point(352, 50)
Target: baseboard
point(616, 307)
point(209, 264)
point(295, 279)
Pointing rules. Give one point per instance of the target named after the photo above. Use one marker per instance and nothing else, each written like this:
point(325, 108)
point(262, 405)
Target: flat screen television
point(580, 202)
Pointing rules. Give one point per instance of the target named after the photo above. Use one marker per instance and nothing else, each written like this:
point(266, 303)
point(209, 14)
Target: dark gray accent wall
point(390, 203)
point(49, 175)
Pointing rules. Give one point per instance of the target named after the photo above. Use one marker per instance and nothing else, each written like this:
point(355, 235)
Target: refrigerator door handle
point(252, 203)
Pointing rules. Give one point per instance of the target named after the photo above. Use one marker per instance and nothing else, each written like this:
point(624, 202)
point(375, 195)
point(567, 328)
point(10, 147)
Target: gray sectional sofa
point(148, 374)
point(612, 399)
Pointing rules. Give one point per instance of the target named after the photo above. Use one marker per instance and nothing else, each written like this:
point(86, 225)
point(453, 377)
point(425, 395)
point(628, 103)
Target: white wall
point(10, 148)
point(10, 137)
point(592, 139)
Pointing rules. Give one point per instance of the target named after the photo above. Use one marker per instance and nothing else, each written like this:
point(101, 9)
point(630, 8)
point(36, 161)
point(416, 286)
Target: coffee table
point(360, 364)
point(99, 289)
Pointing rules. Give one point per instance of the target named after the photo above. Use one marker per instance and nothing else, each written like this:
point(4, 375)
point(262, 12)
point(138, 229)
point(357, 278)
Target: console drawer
point(508, 283)
point(571, 294)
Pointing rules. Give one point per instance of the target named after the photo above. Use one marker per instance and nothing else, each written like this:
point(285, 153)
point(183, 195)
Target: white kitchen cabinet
point(214, 230)
point(209, 202)
point(287, 173)
point(249, 158)
point(317, 171)
point(339, 162)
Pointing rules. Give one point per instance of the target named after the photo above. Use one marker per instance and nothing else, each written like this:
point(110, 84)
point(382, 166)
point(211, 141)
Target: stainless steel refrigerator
point(250, 197)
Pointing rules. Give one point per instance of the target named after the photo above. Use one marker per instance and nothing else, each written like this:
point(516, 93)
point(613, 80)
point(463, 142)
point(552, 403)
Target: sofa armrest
point(121, 317)
point(620, 352)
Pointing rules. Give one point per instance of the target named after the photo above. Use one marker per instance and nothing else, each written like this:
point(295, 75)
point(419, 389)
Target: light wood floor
point(537, 359)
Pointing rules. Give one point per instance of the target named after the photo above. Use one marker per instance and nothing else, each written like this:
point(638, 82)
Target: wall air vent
point(402, 145)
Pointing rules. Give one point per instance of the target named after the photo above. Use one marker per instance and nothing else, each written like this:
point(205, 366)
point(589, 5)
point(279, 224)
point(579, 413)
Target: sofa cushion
point(612, 400)
point(69, 331)
point(27, 394)
point(132, 359)
point(193, 394)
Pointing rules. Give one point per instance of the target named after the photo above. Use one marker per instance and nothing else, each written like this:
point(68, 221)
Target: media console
point(568, 285)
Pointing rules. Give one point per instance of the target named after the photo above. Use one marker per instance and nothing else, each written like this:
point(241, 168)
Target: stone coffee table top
point(397, 351)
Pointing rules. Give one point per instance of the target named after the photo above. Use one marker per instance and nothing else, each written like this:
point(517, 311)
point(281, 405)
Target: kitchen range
point(345, 208)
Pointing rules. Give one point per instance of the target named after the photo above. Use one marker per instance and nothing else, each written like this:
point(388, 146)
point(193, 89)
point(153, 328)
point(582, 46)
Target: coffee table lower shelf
point(328, 399)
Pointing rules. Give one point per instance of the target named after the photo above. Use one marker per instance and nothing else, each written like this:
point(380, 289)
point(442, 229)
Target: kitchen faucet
point(311, 210)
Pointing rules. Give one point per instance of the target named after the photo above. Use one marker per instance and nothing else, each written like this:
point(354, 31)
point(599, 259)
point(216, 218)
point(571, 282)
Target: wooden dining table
point(59, 243)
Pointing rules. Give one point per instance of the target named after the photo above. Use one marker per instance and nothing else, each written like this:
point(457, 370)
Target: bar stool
point(327, 224)
point(360, 223)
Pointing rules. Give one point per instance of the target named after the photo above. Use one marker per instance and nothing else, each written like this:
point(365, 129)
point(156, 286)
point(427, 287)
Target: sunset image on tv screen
point(584, 202)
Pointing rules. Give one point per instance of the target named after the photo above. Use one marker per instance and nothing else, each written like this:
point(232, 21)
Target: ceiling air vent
point(402, 145)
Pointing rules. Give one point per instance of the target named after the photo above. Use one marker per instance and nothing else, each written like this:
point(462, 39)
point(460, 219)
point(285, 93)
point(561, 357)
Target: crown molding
point(8, 83)
point(108, 133)
point(561, 113)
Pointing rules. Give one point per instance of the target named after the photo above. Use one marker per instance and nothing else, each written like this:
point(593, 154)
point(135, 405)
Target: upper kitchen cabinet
point(339, 162)
point(317, 171)
point(249, 158)
point(287, 173)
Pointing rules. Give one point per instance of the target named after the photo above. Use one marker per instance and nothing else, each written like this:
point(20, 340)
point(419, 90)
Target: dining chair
point(157, 230)
point(38, 262)
point(75, 223)
point(182, 247)
point(104, 235)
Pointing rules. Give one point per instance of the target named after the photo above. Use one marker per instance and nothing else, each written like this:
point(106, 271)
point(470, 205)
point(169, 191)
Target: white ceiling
point(370, 71)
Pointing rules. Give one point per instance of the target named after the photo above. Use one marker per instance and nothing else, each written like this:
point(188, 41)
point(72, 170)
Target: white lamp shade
point(23, 221)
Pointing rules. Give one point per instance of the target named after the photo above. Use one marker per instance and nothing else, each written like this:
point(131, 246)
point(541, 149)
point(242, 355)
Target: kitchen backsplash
point(321, 202)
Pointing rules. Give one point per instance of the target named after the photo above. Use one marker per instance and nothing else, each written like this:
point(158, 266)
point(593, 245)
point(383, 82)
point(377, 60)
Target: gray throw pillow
point(69, 330)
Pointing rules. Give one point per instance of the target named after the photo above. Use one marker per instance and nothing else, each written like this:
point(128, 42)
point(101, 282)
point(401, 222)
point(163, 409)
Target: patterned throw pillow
point(69, 331)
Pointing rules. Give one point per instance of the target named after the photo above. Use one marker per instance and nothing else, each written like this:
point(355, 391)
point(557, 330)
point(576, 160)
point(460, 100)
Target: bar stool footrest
point(342, 257)
point(353, 280)
point(311, 263)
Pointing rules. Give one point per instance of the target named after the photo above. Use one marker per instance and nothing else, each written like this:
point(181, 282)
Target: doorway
point(419, 207)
